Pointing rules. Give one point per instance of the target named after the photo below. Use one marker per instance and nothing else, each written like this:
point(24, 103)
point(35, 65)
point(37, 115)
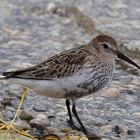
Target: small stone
point(100, 121)
point(25, 115)
point(65, 130)
point(130, 92)
point(51, 117)
point(41, 116)
point(22, 125)
point(50, 129)
point(61, 113)
point(39, 107)
point(4, 62)
point(117, 129)
point(39, 123)
point(106, 128)
point(111, 92)
point(6, 101)
point(136, 114)
point(131, 132)
point(10, 108)
point(51, 6)
point(130, 98)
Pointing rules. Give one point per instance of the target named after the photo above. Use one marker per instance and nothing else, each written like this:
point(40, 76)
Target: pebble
point(136, 114)
point(131, 132)
point(130, 98)
point(40, 123)
point(26, 115)
point(61, 113)
point(40, 107)
point(4, 62)
point(51, 117)
point(6, 101)
point(111, 92)
point(106, 128)
point(65, 130)
point(51, 129)
point(117, 129)
point(51, 6)
point(41, 116)
point(22, 125)
point(10, 108)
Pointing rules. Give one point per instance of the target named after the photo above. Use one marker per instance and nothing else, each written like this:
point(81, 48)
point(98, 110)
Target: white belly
point(50, 88)
point(55, 88)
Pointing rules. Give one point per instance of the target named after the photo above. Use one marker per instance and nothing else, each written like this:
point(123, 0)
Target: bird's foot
point(73, 126)
point(88, 134)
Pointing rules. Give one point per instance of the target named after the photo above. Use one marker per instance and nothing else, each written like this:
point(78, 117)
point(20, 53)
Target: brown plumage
point(63, 64)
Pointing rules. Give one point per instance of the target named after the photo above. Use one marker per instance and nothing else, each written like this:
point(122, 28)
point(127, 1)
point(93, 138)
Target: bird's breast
point(100, 77)
point(88, 81)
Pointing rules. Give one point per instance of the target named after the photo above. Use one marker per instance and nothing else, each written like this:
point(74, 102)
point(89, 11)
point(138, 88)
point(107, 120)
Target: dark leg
point(70, 121)
point(77, 117)
point(89, 135)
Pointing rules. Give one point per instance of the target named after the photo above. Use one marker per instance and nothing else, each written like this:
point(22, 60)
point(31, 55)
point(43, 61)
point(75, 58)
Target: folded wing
point(63, 64)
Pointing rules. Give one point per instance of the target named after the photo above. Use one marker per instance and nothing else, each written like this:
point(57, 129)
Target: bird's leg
point(77, 117)
point(24, 91)
point(83, 129)
point(70, 121)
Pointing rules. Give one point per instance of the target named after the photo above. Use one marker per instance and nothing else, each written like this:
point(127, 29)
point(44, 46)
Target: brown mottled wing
point(63, 64)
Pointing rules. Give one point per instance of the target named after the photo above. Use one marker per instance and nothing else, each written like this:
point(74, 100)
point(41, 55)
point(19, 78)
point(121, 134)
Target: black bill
point(125, 58)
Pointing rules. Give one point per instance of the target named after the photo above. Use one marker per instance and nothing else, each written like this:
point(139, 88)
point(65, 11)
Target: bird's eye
point(105, 46)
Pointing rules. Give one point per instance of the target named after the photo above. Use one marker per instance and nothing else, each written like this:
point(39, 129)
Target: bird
point(73, 73)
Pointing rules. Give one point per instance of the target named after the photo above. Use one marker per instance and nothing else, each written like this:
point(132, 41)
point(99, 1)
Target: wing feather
point(60, 65)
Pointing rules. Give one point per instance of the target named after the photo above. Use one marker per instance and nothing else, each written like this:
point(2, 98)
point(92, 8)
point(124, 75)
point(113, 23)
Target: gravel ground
point(33, 30)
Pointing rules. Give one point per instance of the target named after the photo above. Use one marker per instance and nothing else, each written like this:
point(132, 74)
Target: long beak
point(125, 58)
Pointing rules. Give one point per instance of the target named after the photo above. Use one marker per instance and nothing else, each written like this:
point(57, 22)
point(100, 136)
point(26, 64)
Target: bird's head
point(107, 48)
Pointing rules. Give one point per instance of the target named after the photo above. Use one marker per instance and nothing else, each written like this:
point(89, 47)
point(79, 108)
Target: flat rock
point(111, 92)
point(106, 128)
point(136, 114)
point(40, 123)
point(22, 125)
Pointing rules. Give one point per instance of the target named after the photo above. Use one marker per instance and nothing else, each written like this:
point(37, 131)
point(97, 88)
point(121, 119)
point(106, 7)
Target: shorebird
point(73, 73)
